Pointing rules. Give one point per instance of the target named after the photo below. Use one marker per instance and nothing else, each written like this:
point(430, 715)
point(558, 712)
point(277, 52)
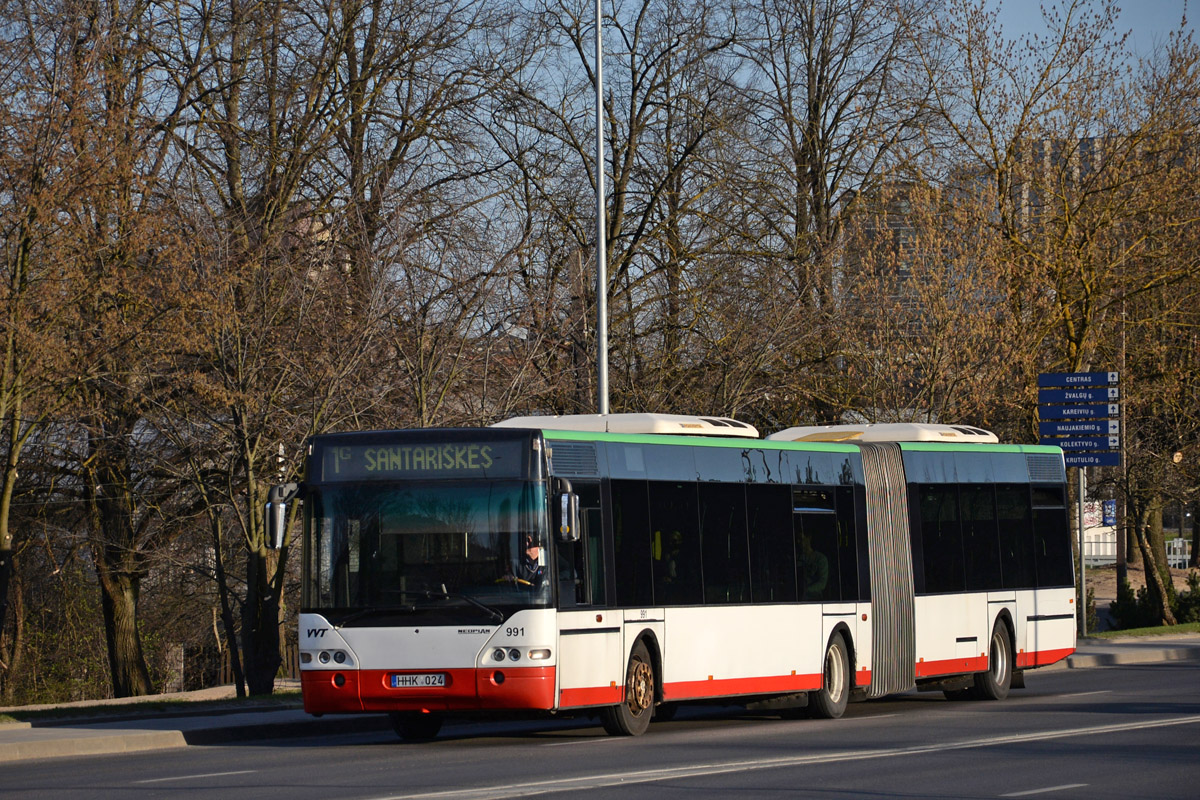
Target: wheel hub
point(639, 690)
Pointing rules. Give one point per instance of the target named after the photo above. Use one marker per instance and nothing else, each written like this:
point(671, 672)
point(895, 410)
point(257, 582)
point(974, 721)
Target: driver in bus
point(531, 567)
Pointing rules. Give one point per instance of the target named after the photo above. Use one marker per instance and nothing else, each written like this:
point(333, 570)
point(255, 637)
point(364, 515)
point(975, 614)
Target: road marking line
point(605, 780)
point(1087, 694)
point(589, 740)
point(193, 777)
point(1062, 788)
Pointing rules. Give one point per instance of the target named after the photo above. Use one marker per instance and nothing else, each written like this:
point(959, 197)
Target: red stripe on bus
point(958, 666)
point(1040, 658)
point(951, 666)
point(729, 687)
point(590, 696)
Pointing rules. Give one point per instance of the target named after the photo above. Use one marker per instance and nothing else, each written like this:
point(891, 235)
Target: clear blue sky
point(1148, 21)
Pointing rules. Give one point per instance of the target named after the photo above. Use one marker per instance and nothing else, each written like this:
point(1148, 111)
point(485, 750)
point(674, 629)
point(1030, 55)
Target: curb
point(1124, 656)
point(98, 744)
point(50, 741)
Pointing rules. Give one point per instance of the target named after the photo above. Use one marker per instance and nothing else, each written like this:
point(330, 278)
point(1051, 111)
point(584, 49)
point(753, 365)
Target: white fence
point(1103, 550)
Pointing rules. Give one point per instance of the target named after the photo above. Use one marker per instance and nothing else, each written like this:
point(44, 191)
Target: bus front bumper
point(492, 688)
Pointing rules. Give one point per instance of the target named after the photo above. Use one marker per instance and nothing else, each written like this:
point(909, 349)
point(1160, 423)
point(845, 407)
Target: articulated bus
point(620, 565)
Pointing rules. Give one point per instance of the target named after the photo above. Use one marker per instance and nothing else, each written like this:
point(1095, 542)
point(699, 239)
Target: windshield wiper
point(495, 613)
point(373, 610)
point(442, 594)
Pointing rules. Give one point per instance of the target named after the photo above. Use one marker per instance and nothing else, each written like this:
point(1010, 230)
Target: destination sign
point(387, 461)
point(1086, 427)
point(1108, 394)
point(1047, 379)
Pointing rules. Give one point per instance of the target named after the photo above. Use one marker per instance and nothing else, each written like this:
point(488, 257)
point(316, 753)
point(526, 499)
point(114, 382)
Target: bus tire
point(995, 683)
point(415, 726)
point(632, 717)
point(830, 701)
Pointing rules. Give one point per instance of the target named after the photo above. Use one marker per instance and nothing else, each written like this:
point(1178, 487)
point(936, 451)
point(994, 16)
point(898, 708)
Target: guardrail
point(1098, 552)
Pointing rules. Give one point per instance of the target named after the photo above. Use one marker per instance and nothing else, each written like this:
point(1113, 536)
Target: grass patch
point(1161, 630)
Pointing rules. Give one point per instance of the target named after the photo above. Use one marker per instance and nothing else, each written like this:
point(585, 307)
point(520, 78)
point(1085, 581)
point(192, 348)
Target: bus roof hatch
point(886, 432)
point(677, 424)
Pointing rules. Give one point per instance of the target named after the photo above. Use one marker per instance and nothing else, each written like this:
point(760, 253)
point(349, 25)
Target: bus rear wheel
point(830, 701)
point(995, 683)
point(632, 717)
point(415, 726)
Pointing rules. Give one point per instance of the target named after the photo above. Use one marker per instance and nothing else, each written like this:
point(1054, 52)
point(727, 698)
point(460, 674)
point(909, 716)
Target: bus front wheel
point(632, 717)
point(830, 701)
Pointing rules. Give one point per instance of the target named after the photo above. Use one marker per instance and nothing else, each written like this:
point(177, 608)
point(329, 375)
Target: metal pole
point(1083, 605)
point(601, 255)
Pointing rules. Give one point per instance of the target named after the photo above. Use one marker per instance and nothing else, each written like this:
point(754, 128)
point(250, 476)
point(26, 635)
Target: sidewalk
point(128, 729)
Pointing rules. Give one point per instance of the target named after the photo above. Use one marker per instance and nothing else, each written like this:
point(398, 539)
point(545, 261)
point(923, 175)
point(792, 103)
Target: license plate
point(419, 680)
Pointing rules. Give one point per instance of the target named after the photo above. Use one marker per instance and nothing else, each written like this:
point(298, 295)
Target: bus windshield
point(395, 553)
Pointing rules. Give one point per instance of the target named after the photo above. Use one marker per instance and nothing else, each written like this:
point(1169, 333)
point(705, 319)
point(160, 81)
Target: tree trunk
point(7, 548)
point(227, 625)
point(1194, 560)
point(1158, 542)
point(1154, 581)
point(260, 626)
point(126, 659)
point(12, 649)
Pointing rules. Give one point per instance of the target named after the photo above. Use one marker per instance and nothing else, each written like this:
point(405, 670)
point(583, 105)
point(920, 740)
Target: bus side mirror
point(568, 526)
point(276, 513)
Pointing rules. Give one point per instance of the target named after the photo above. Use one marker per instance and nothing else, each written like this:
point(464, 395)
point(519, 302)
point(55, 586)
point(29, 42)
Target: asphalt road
point(1120, 732)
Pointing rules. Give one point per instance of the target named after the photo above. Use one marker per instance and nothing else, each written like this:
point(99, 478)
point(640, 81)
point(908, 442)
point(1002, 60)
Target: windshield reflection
point(380, 552)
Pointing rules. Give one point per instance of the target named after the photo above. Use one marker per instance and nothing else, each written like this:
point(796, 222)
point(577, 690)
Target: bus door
point(589, 635)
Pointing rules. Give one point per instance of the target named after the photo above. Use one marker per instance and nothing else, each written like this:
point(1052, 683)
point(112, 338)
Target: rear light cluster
point(325, 656)
point(514, 654)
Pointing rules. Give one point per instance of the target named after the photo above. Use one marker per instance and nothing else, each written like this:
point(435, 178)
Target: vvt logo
point(316, 633)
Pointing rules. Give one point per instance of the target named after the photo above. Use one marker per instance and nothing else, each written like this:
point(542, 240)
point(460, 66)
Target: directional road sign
point(1081, 459)
point(1083, 427)
point(1047, 379)
point(1103, 394)
point(1082, 411)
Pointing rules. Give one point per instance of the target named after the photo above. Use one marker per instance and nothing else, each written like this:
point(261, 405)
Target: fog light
point(498, 677)
point(514, 654)
point(498, 655)
point(324, 657)
point(339, 680)
point(339, 657)
point(539, 655)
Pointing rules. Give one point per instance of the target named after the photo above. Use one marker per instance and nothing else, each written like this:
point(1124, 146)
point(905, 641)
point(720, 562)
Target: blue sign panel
point(1092, 459)
point(1084, 442)
point(1108, 394)
point(1110, 512)
point(1078, 379)
point(1092, 411)
point(1085, 427)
